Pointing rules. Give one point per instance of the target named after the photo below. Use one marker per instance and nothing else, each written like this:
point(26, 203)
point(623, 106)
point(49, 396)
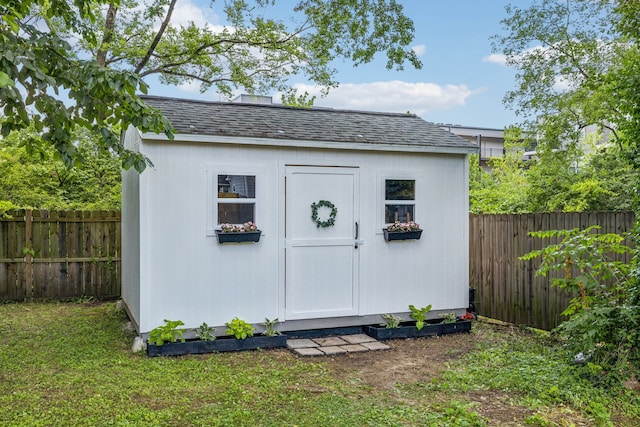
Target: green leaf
point(5, 80)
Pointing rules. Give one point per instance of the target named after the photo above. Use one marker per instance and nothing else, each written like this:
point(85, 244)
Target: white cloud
point(392, 96)
point(186, 12)
point(419, 49)
point(564, 84)
point(496, 58)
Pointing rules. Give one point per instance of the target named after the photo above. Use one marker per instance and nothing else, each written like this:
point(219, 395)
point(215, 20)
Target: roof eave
point(297, 143)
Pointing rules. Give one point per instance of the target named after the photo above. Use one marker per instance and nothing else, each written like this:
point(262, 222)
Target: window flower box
point(247, 232)
point(230, 237)
point(402, 231)
point(401, 235)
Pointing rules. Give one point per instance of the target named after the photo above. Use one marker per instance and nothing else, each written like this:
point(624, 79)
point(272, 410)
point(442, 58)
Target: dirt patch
point(420, 360)
point(407, 361)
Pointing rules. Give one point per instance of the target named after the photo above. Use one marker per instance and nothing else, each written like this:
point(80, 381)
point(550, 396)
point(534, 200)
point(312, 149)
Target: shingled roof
point(271, 121)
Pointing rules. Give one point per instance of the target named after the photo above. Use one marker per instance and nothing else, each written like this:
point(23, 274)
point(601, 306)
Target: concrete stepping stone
point(301, 343)
point(333, 349)
point(354, 348)
point(330, 341)
point(375, 346)
point(308, 351)
point(357, 338)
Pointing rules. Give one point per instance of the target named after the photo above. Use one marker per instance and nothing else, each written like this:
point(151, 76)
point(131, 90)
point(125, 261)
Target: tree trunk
point(109, 24)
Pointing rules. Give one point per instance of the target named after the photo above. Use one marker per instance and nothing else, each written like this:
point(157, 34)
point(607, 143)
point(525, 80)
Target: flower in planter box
point(243, 228)
point(403, 227)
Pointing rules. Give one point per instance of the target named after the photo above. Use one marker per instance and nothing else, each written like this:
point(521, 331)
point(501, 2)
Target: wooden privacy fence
point(507, 288)
point(59, 255)
point(66, 255)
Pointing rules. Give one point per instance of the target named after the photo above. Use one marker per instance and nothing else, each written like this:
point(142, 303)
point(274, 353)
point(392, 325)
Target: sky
point(461, 82)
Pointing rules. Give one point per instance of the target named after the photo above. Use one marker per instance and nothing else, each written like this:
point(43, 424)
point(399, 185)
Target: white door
point(321, 261)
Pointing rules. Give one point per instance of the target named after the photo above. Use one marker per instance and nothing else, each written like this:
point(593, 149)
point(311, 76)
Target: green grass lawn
point(70, 364)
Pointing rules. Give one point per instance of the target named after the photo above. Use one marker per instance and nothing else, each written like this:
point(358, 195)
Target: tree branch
point(157, 38)
point(210, 81)
point(189, 56)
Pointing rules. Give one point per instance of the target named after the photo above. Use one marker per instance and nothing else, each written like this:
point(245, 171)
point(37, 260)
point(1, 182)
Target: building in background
point(490, 141)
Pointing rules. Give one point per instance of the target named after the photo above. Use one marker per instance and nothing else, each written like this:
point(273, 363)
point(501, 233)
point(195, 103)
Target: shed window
point(236, 199)
point(399, 204)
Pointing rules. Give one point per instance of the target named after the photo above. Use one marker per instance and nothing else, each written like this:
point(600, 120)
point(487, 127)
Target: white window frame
point(213, 170)
point(409, 175)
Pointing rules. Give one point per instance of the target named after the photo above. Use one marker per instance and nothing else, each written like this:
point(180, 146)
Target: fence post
point(28, 254)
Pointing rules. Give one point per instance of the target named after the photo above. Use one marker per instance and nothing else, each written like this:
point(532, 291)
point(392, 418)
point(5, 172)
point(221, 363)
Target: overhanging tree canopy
point(97, 54)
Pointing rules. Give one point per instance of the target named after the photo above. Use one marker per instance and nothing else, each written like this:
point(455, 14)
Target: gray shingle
point(289, 123)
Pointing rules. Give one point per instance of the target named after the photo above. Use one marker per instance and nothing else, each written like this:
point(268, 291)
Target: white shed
point(237, 162)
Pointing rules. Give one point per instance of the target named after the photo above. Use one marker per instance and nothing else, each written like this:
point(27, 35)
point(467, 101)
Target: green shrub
point(392, 321)
point(167, 333)
point(239, 328)
point(205, 332)
point(270, 327)
point(419, 315)
point(604, 316)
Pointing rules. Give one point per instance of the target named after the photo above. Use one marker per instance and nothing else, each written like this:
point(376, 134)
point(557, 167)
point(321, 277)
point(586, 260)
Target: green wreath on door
point(331, 221)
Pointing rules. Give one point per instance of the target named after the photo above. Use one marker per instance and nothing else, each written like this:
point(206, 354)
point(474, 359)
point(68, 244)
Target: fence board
point(72, 245)
point(14, 250)
point(507, 288)
point(4, 273)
